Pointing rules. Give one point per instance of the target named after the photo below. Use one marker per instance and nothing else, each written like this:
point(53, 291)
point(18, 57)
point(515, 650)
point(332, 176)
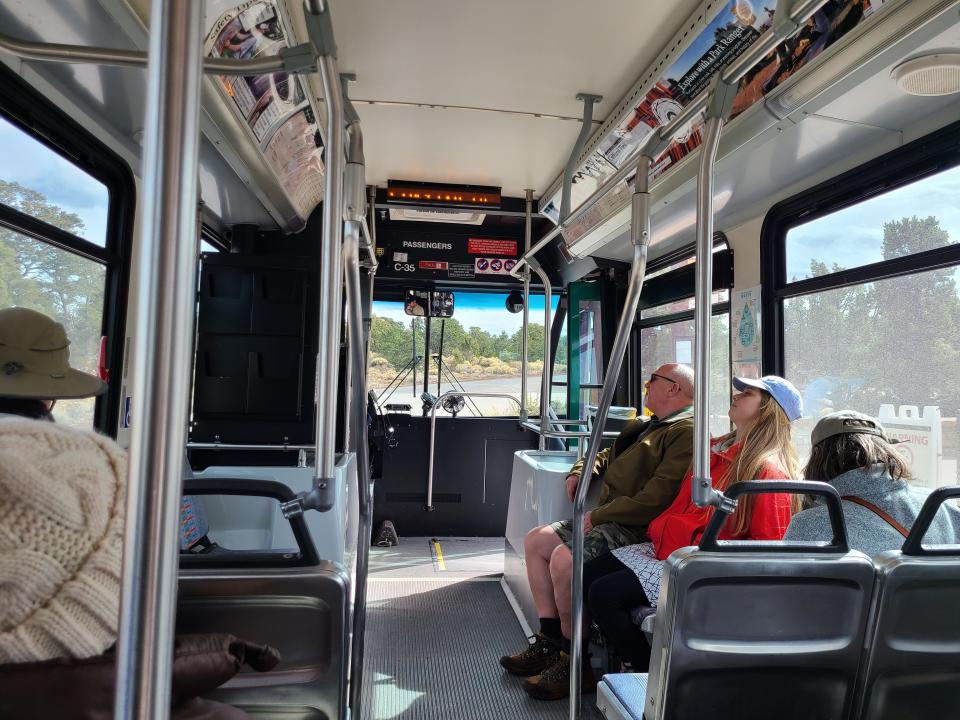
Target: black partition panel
point(252, 378)
point(471, 481)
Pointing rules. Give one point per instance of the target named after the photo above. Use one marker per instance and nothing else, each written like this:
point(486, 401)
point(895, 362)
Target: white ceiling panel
point(502, 55)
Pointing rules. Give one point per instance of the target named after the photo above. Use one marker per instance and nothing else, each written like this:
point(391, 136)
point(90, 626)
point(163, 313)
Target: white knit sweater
point(61, 530)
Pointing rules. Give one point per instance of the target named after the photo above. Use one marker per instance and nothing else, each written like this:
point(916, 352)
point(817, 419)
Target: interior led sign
point(418, 193)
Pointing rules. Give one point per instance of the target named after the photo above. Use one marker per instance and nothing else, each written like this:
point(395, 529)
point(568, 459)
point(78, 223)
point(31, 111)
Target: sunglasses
point(653, 378)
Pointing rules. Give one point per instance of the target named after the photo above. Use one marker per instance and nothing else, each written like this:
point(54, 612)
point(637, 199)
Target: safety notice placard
point(491, 246)
point(493, 266)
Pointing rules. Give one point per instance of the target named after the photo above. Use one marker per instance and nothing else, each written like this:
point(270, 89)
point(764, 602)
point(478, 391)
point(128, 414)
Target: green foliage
point(473, 351)
point(892, 341)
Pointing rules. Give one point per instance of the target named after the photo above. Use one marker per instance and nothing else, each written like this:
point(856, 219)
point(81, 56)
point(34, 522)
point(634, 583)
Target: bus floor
point(437, 623)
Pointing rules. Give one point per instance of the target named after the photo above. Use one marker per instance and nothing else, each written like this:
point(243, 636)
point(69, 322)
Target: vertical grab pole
point(331, 287)
point(359, 436)
point(640, 237)
point(546, 381)
point(718, 108)
point(528, 229)
point(162, 342)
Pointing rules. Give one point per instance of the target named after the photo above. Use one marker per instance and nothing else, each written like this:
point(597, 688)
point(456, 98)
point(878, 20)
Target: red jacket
point(683, 522)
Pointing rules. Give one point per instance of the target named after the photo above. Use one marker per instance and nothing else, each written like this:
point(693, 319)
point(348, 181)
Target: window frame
point(31, 113)
point(723, 280)
point(934, 153)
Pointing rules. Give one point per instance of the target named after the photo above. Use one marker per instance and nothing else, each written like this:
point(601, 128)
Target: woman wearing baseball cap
point(760, 447)
point(852, 452)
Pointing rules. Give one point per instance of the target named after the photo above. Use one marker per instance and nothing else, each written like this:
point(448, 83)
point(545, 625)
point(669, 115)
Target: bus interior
point(367, 278)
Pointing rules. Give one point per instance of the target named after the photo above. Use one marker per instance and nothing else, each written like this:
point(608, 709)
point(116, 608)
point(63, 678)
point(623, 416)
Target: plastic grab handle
point(796, 487)
point(913, 544)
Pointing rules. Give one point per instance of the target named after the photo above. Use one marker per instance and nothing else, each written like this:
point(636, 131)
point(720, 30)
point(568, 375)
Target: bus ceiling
point(457, 111)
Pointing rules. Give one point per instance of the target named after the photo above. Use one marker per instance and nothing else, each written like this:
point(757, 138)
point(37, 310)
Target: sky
point(31, 164)
point(485, 311)
point(854, 236)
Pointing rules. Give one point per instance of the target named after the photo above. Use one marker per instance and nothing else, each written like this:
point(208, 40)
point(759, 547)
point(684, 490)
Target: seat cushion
point(630, 689)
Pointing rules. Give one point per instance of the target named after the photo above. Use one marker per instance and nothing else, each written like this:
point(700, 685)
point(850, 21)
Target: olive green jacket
point(642, 477)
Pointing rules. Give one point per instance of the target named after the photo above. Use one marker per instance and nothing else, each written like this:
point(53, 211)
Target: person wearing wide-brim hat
point(852, 452)
point(35, 365)
point(61, 503)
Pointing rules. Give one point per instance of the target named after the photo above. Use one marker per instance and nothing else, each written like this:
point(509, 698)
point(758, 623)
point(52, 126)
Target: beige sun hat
point(35, 359)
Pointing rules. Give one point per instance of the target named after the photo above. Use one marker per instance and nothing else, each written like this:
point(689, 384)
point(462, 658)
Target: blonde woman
point(760, 448)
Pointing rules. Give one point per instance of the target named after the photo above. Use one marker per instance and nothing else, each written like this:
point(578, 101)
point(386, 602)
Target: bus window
point(51, 188)
point(481, 353)
point(667, 337)
point(50, 279)
point(887, 344)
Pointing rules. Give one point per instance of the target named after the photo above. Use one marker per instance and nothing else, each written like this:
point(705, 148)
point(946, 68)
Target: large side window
point(667, 336)
point(481, 353)
point(60, 254)
point(866, 300)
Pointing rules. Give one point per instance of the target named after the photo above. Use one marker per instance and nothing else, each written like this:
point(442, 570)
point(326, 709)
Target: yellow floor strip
point(436, 546)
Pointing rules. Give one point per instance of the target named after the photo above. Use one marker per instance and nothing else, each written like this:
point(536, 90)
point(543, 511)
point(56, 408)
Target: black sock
point(550, 628)
point(565, 645)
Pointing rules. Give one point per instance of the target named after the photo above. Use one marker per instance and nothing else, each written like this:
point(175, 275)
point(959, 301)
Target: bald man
point(641, 475)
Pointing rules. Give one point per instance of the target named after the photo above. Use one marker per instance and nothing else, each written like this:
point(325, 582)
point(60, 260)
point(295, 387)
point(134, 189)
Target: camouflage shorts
point(601, 539)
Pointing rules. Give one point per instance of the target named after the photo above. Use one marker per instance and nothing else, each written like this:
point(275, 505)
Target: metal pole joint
point(721, 98)
point(300, 58)
point(320, 27)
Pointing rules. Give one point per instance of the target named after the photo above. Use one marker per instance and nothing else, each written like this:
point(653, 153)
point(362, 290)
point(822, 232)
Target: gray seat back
point(751, 630)
point(913, 662)
point(288, 599)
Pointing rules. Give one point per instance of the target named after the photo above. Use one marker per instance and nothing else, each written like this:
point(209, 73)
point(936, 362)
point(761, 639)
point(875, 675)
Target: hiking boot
point(539, 655)
point(554, 682)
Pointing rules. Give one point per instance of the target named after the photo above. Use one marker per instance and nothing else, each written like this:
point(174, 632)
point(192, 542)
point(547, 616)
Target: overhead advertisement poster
point(723, 40)
point(274, 106)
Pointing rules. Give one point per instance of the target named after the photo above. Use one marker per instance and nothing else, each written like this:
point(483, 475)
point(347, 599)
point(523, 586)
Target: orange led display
point(449, 195)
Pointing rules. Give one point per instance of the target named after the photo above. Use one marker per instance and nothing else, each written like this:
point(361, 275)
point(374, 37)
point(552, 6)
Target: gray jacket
point(866, 531)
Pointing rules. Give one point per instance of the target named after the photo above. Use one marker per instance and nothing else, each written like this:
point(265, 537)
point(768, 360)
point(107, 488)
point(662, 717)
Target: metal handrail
point(545, 384)
point(246, 446)
point(640, 237)
point(433, 431)
point(357, 349)
point(566, 434)
point(702, 491)
point(331, 288)
point(525, 338)
point(162, 346)
point(117, 57)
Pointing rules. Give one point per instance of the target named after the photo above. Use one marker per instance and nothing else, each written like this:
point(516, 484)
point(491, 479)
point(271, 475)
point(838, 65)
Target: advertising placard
point(745, 347)
point(724, 39)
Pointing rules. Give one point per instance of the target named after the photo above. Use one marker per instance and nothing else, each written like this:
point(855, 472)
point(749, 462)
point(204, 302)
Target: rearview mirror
point(436, 303)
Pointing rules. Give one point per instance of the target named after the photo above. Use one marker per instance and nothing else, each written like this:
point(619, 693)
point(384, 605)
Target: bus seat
point(913, 657)
point(620, 696)
point(293, 601)
point(743, 625)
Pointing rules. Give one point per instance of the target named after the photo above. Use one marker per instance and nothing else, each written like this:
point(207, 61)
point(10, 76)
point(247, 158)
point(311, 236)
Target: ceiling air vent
point(929, 75)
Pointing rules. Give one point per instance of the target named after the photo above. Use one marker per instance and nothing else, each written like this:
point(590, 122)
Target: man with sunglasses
point(641, 475)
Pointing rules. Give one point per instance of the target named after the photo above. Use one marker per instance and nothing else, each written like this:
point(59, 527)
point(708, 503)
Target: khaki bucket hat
point(35, 359)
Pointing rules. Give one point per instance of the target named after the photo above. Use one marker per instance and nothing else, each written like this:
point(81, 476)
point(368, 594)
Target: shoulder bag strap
point(881, 513)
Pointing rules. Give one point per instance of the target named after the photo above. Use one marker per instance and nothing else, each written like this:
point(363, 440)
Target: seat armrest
point(648, 625)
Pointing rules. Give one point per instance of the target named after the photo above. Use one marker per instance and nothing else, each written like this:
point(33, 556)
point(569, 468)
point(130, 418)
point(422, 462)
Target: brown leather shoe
point(539, 655)
point(554, 682)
